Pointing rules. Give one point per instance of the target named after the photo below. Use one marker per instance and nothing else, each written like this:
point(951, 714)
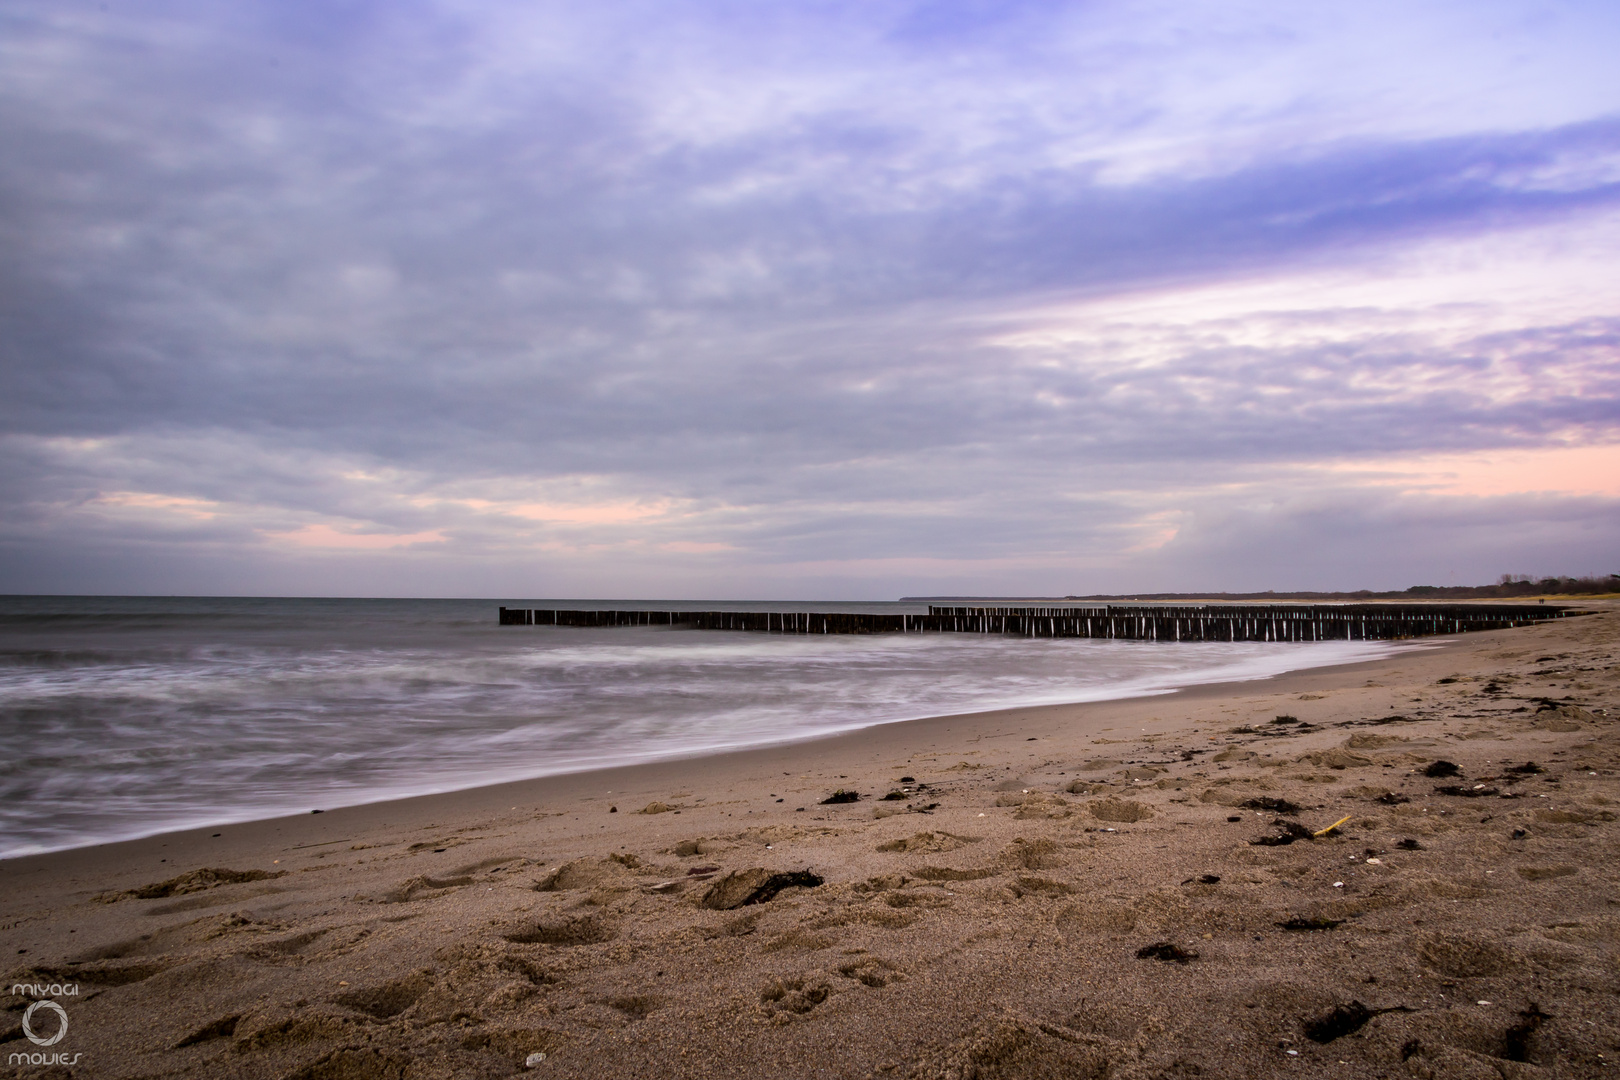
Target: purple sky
point(822, 300)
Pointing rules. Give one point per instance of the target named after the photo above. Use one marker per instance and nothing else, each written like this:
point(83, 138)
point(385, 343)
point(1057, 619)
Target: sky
point(816, 300)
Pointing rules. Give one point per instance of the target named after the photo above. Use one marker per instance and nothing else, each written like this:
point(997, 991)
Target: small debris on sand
point(1291, 831)
point(1343, 1020)
point(1165, 950)
point(1319, 833)
point(1275, 806)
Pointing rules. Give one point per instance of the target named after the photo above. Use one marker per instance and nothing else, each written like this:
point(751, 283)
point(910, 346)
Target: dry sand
point(989, 922)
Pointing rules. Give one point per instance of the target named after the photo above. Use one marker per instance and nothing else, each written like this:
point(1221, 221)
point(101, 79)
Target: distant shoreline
point(1547, 589)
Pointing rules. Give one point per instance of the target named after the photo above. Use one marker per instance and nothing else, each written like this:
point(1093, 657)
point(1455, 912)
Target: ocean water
point(124, 717)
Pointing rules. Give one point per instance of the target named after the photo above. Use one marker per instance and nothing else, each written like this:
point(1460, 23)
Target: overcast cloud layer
point(806, 299)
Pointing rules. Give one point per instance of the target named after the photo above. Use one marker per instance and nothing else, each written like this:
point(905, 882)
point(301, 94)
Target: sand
point(1071, 891)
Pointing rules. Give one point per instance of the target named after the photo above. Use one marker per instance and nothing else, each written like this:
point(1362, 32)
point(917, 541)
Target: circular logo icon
point(28, 1027)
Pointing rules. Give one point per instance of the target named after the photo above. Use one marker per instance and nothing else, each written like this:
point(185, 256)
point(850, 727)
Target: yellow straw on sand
point(1323, 832)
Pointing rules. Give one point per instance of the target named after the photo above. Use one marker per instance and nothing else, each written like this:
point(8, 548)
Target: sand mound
point(1027, 798)
point(1024, 854)
point(929, 842)
point(1368, 741)
point(588, 930)
point(1042, 806)
point(583, 874)
point(779, 834)
point(1563, 718)
point(945, 873)
point(1028, 885)
point(1336, 759)
point(1123, 810)
point(1464, 957)
point(190, 882)
point(423, 887)
point(351, 1063)
point(1013, 1046)
point(1096, 916)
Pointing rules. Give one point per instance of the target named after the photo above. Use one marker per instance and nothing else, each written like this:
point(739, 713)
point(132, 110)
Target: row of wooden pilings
point(1212, 622)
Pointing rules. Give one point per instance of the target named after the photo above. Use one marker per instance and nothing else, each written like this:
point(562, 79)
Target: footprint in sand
point(190, 882)
point(388, 999)
point(584, 930)
point(783, 1000)
point(928, 843)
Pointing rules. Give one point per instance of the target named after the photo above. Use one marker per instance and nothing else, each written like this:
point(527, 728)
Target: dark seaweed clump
point(1291, 831)
point(1347, 1019)
point(796, 879)
point(1343, 1020)
point(1165, 950)
point(1276, 806)
point(1516, 1041)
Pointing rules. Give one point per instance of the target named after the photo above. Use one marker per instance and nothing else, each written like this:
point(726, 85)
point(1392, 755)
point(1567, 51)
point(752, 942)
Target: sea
point(129, 716)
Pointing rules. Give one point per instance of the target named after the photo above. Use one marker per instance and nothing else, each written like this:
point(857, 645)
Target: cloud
point(1348, 538)
point(329, 536)
point(808, 297)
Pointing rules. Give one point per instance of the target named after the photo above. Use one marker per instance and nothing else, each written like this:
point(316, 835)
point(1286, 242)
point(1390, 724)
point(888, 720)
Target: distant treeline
point(1509, 586)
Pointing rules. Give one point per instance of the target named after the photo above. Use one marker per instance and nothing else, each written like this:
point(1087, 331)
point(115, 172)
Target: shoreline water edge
point(183, 714)
point(1400, 866)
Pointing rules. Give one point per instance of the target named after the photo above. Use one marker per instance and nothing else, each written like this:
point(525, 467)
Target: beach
point(1131, 888)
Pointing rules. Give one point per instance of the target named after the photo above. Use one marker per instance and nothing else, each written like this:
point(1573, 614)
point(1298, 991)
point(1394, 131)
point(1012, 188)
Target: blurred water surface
point(125, 716)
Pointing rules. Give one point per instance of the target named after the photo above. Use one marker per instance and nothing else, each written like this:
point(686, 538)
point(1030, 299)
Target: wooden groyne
point(1160, 622)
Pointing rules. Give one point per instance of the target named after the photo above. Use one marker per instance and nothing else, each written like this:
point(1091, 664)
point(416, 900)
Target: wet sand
point(1071, 891)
